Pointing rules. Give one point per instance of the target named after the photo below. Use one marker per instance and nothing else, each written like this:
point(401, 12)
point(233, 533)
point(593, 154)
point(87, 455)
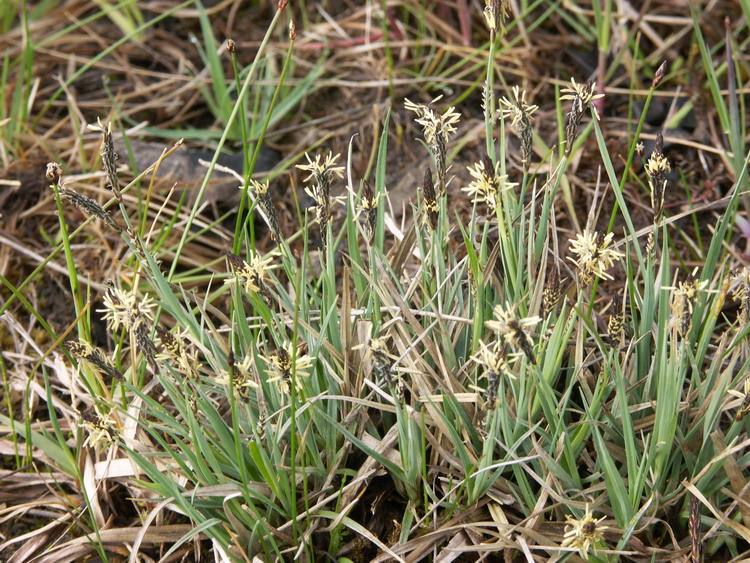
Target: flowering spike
point(369, 206)
point(582, 96)
point(594, 255)
point(487, 184)
point(519, 111)
point(659, 75)
point(657, 168)
point(109, 156)
point(431, 207)
point(684, 297)
point(252, 274)
point(260, 191)
point(282, 363)
point(583, 534)
point(101, 427)
point(322, 172)
point(514, 330)
point(437, 129)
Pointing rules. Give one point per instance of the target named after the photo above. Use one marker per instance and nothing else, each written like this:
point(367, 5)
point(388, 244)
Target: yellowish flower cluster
point(594, 257)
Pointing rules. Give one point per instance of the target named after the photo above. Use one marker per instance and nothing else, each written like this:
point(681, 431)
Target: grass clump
point(477, 374)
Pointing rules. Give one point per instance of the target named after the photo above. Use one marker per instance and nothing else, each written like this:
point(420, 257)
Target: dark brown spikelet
point(429, 202)
point(273, 218)
point(91, 207)
point(488, 173)
point(264, 201)
point(659, 75)
point(551, 295)
point(575, 115)
point(572, 122)
point(236, 262)
point(741, 294)
point(694, 529)
point(370, 207)
point(109, 161)
point(171, 344)
point(231, 45)
point(96, 420)
point(324, 216)
point(260, 426)
point(284, 362)
point(657, 168)
point(526, 136)
point(522, 340)
point(231, 367)
point(382, 362)
point(493, 384)
point(235, 375)
point(94, 356)
point(683, 299)
point(145, 344)
point(616, 320)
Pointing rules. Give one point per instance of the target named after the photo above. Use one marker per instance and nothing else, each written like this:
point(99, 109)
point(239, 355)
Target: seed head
point(54, 173)
point(90, 207)
point(94, 356)
point(124, 309)
point(684, 297)
point(322, 173)
point(594, 257)
point(495, 13)
point(659, 75)
point(741, 294)
point(281, 364)
point(487, 184)
point(429, 201)
point(519, 113)
point(242, 375)
point(694, 529)
point(616, 320)
point(369, 207)
point(260, 191)
point(101, 428)
point(584, 534)
point(581, 95)
point(552, 292)
point(383, 362)
point(514, 330)
point(437, 130)
point(657, 168)
point(492, 360)
point(744, 407)
point(146, 345)
point(251, 274)
point(109, 156)
point(175, 351)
